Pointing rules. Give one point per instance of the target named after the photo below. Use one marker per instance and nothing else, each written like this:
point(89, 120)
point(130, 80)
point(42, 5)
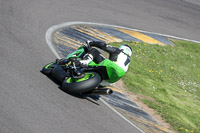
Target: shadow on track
point(90, 98)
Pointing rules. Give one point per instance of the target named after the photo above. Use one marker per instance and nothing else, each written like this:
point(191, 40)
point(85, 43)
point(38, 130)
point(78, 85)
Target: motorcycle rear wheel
point(90, 81)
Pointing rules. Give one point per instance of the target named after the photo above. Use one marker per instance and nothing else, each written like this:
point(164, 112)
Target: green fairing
point(114, 71)
point(87, 76)
point(76, 53)
point(47, 66)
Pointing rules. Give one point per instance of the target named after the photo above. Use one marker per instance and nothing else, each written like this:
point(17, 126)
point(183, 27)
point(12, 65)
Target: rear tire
point(86, 84)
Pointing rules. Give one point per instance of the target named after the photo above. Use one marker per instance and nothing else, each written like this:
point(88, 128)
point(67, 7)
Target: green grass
point(171, 77)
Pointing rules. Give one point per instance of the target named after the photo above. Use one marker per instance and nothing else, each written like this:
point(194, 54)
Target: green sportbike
point(78, 79)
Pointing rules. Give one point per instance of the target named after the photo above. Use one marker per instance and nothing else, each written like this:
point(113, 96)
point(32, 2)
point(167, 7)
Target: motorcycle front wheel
point(48, 68)
point(90, 81)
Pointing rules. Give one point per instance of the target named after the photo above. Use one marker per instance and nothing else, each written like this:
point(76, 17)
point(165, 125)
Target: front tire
point(90, 81)
point(48, 68)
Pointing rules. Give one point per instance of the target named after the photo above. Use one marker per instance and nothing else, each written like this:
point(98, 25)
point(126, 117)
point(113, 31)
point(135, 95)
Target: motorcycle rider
point(116, 65)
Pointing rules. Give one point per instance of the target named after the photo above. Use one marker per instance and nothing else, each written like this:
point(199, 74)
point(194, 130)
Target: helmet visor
point(126, 50)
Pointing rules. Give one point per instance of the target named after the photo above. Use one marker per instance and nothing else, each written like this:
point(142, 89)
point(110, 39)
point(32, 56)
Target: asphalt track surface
point(32, 103)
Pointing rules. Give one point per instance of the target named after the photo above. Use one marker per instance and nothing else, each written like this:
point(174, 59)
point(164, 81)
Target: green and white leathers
point(123, 59)
point(115, 69)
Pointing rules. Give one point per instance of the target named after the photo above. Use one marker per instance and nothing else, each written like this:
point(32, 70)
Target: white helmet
point(126, 49)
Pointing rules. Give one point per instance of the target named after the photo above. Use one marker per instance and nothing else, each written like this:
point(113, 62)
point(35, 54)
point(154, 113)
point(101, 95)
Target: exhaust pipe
point(101, 91)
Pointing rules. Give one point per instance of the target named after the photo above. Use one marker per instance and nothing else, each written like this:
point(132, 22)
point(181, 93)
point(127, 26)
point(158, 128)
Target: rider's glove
point(76, 62)
point(79, 63)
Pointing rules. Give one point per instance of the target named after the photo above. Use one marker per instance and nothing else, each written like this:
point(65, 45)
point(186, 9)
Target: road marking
point(75, 42)
point(64, 40)
point(152, 125)
point(115, 89)
point(115, 26)
point(140, 36)
point(96, 34)
point(140, 130)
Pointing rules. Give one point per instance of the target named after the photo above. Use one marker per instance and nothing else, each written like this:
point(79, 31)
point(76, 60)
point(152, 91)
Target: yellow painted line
point(106, 36)
point(96, 34)
point(89, 33)
point(65, 42)
point(151, 125)
point(140, 36)
point(144, 124)
point(114, 89)
point(66, 38)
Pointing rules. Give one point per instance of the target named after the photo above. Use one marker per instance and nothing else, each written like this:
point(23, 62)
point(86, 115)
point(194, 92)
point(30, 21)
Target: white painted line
point(48, 38)
point(91, 23)
point(121, 115)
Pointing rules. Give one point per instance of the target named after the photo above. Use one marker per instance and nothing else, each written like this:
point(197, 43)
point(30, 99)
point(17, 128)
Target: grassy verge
point(169, 77)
